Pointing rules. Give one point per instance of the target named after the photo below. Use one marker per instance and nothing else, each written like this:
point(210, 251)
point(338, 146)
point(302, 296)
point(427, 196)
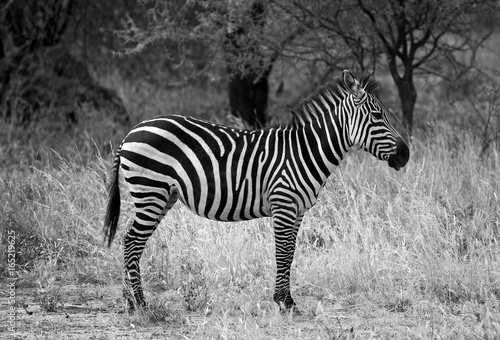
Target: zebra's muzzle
point(400, 157)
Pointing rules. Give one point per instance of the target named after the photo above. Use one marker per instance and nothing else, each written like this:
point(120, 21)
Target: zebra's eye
point(377, 114)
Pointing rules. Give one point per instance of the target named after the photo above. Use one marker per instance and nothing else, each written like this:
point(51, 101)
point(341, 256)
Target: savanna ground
point(404, 255)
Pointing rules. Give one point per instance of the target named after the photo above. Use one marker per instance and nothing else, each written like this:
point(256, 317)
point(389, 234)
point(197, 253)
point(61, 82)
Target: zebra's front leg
point(286, 227)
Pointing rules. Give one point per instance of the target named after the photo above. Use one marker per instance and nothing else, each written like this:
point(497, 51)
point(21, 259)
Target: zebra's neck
point(317, 147)
point(321, 122)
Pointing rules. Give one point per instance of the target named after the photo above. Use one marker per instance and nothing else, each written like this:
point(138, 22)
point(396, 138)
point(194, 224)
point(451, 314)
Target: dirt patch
point(89, 311)
point(74, 312)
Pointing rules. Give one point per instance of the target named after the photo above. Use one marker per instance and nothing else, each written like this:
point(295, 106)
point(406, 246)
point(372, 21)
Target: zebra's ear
point(352, 84)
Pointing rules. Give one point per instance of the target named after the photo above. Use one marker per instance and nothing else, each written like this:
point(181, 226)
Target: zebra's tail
point(113, 209)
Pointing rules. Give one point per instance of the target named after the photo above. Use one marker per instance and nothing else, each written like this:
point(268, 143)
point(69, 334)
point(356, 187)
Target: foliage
point(180, 41)
point(194, 34)
point(38, 70)
point(203, 37)
point(27, 27)
point(407, 37)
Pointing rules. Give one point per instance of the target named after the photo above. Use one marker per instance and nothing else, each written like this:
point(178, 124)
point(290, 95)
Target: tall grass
point(55, 214)
point(422, 242)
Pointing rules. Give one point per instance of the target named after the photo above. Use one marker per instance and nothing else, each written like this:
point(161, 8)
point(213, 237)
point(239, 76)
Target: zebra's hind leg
point(147, 217)
point(286, 226)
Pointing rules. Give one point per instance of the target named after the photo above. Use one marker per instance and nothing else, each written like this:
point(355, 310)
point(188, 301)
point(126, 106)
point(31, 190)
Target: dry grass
point(409, 254)
point(414, 251)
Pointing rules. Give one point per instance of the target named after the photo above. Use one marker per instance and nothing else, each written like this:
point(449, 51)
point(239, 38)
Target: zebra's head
point(369, 125)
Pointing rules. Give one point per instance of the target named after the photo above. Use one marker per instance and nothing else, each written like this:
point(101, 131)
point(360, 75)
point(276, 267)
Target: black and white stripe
point(229, 174)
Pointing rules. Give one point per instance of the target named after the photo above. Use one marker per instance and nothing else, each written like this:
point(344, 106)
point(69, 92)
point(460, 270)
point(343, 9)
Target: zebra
point(229, 174)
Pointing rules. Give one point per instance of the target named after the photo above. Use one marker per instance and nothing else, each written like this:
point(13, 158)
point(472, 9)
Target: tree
point(41, 77)
point(430, 36)
point(248, 87)
point(203, 36)
point(27, 27)
point(409, 37)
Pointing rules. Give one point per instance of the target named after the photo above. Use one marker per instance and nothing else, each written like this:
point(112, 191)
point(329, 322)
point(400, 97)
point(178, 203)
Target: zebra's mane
point(307, 109)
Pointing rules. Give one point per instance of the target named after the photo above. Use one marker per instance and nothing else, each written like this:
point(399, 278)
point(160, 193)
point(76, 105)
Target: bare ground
point(89, 311)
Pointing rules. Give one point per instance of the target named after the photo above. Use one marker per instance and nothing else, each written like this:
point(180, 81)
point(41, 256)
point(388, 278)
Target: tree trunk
point(408, 97)
point(248, 89)
point(248, 98)
point(406, 89)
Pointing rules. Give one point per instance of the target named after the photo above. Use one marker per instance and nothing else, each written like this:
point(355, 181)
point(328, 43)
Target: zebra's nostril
point(401, 156)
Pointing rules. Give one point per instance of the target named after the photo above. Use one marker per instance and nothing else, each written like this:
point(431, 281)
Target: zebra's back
point(218, 172)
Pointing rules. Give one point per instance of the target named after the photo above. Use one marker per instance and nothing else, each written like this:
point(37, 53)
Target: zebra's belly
point(229, 208)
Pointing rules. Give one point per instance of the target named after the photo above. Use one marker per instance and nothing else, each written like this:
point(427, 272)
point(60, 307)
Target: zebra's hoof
point(289, 309)
point(133, 306)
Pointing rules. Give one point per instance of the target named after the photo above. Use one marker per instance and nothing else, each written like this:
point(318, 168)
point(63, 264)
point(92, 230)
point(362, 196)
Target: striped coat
point(228, 174)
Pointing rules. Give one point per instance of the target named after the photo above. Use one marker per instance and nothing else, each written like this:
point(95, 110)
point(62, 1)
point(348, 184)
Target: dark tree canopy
point(241, 41)
point(407, 38)
point(229, 33)
point(38, 71)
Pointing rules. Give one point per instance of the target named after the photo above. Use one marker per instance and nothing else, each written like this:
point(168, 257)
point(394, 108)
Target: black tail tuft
point(113, 209)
